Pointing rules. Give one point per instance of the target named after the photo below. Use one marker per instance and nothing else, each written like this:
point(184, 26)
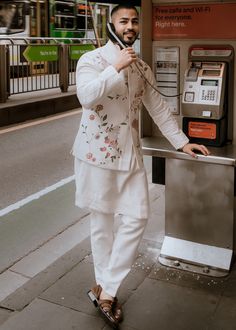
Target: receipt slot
point(206, 95)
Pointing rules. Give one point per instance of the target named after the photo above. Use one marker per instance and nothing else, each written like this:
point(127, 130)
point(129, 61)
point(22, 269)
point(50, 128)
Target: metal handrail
point(23, 76)
point(27, 39)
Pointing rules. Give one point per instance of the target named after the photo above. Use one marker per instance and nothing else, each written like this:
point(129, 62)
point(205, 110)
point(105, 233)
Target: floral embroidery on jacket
point(135, 124)
point(135, 105)
point(106, 132)
point(99, 107)
point(117, 97)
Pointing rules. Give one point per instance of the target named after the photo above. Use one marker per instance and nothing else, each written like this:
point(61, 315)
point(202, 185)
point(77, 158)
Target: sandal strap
point(97, 291)
point(106, 307)
point(105, 303)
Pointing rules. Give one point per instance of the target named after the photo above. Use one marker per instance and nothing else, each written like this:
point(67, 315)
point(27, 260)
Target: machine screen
point(207, 82)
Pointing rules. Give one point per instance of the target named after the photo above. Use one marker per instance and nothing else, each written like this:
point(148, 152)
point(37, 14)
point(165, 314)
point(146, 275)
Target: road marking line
point(40, 121)
point(37, 195)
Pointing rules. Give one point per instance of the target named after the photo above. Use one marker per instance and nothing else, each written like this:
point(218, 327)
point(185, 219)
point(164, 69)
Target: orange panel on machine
point(202, 130)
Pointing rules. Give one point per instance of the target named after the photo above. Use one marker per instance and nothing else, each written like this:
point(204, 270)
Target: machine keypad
point(208, 95)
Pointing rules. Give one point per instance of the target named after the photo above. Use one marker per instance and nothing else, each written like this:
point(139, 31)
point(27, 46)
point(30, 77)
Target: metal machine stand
point(199, 221)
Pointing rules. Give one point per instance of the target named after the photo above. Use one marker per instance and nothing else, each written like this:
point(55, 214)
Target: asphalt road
point(36, 155)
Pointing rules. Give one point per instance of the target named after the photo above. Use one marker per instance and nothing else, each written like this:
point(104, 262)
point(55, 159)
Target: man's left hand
point(190, 147)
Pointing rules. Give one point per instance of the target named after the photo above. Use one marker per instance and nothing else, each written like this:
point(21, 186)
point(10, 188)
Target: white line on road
point(37, 195)
point(40, 121)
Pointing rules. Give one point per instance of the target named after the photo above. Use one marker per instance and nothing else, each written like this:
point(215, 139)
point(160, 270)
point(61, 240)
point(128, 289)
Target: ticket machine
point(204, 90)
point(206, 95)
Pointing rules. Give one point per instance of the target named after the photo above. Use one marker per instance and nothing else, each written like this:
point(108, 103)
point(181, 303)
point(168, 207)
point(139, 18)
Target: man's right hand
point(126, 57)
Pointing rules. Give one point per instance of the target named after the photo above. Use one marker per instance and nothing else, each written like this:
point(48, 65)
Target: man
point(110, 176)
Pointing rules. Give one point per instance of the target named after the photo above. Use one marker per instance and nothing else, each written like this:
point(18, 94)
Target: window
point(12, 17)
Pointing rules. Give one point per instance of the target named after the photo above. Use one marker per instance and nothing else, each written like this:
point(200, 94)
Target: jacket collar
point(110, 51)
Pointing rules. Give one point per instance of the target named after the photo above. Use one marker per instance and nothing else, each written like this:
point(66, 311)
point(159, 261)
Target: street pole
point(3, 70)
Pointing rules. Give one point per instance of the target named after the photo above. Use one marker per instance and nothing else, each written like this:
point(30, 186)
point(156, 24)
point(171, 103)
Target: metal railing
point(34, 64)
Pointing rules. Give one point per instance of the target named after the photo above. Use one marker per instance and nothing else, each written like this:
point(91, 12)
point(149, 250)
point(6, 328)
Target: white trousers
point(113, 255)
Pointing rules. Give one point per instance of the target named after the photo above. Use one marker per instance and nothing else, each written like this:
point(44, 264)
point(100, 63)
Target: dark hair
point(123, 6)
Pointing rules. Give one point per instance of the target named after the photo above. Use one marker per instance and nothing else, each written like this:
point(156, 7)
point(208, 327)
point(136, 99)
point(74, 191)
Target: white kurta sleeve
point(92, 84)
point(161, 114)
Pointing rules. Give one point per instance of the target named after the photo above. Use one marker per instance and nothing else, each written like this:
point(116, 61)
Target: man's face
point(126, 22)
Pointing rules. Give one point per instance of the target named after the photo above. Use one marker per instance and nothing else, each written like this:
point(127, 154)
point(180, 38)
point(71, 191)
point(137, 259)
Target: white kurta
point(112, 191)
point(110, 176)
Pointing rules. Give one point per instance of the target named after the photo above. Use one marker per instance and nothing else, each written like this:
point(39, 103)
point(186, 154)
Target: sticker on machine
point(202, 130)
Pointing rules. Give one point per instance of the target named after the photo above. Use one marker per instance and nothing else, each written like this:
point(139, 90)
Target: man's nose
point(130, 25)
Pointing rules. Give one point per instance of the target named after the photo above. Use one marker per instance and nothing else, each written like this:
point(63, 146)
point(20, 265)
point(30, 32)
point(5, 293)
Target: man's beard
point(127, 41)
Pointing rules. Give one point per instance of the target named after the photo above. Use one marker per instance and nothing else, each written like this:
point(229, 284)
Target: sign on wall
point(198, 21)
point(166, 69)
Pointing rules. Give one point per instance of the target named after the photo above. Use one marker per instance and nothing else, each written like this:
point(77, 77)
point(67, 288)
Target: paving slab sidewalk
point(154, 297)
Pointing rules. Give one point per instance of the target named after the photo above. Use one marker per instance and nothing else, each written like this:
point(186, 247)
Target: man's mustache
point(128, 31)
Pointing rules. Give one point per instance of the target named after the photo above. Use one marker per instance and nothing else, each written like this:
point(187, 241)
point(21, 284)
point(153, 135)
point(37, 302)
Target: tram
point(38, 18)
point(53, 18)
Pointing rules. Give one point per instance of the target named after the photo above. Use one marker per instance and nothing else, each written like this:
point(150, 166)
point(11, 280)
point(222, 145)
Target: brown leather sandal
point(113, 307)
point(106, 307)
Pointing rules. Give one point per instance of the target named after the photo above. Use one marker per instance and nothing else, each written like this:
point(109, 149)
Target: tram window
point(11, 18)
point(62, 22)
point(84, 17)
point(64, 9)
point(90, 23)
point(81, 22)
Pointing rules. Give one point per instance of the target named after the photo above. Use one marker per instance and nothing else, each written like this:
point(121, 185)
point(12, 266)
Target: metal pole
point(64, 67)
point(94, 24)
point(38, 21)
point(3, 70)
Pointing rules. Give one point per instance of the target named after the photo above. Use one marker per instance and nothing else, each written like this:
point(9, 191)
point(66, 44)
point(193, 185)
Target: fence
point(33, 64)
